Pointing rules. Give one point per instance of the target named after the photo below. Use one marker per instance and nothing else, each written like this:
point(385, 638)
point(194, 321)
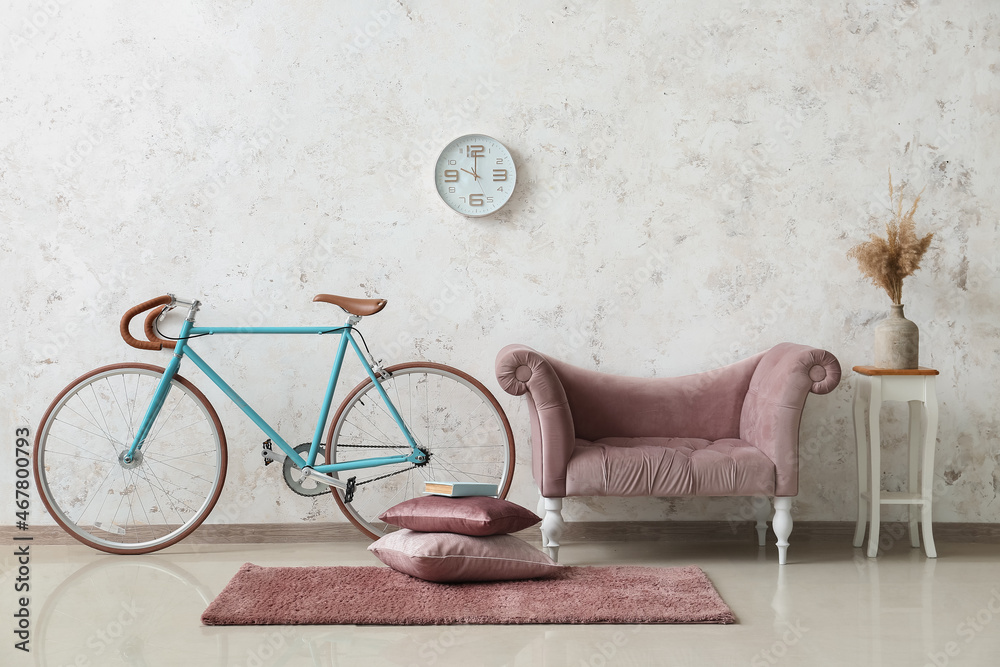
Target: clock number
point(499, 160)
point(452, 162)
point(451, 175)
point(489, 200)
point(500, 189)
point(475, 200)
point(451, 190)
point(474, 150)
point(499, 175)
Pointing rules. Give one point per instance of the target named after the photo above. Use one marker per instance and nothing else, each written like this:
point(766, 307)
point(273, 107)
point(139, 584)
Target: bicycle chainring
point(291, 474)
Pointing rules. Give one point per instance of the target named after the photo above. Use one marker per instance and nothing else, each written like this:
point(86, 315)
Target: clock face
point(475, 175)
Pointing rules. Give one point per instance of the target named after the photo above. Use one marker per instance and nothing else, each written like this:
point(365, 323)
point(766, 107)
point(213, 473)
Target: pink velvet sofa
point(732, 431)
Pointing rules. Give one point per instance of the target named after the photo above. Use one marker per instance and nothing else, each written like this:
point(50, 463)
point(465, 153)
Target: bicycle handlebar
point(151, 332)
point(154, 342)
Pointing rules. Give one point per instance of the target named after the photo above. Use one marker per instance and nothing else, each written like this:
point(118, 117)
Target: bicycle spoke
point(152, 492)
point(105, 498)
point(73, 443)
point(130, 404)
point(170, 496)
point(373, 438)
point(176, 457)
point(130, 514)
point(126, 501)
point(459, 472)
point(427, 410)
point(77, 456)
point(461, 439)
point(399, 402)
point(100, 486)
point(380, 406)
point(106, 434)
point(147, 401)
point(135, 403)
point(104, 416)
point(392, 500)
point(177, 430)
point(162, 421)
point(376, 401)
point(125, 420)
point(180, 470)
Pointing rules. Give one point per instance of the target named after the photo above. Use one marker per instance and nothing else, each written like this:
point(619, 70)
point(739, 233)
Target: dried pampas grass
point(886, 261)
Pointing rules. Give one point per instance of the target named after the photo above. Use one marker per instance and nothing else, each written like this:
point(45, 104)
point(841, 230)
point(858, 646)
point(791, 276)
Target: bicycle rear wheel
point(453, 418)
point(129, 508)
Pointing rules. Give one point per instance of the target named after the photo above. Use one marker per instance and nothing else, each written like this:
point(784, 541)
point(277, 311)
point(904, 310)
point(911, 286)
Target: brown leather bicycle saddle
point(359, 307)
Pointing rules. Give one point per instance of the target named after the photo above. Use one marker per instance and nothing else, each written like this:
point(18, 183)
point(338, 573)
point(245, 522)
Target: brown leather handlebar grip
point(151, 332)
point(135, 310)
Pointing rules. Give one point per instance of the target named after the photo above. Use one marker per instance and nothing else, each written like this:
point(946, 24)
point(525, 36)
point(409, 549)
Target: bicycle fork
point(134, 452)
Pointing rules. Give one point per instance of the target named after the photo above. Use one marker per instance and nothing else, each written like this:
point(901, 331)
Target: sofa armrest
point(772, 410)
point(522, 370)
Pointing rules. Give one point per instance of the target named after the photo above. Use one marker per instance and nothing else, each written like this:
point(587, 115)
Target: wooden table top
point(873, 370)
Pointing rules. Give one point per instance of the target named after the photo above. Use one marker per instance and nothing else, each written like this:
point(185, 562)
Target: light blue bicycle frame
point(182, 348)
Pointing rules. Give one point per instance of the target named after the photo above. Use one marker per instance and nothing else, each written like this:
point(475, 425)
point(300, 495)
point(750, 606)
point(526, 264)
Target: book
point(460, 489)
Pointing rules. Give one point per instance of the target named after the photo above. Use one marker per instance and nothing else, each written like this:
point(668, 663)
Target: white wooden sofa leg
point(762, 510)
point(552, 526)
point(782, 524)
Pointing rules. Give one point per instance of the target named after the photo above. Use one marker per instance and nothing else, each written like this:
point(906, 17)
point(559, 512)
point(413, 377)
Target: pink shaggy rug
point(381, 596)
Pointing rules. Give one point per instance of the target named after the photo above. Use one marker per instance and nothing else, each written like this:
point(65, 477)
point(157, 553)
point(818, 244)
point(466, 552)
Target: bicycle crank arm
point(347, 487)
point(270, 456)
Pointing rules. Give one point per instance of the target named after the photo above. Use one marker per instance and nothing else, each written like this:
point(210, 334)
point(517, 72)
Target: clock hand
point(470, 173)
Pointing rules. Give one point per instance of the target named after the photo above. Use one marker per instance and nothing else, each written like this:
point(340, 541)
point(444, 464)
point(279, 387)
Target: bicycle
point(131, 458)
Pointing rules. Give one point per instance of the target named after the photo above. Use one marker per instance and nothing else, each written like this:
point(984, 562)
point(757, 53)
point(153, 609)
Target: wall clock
point(475, 175)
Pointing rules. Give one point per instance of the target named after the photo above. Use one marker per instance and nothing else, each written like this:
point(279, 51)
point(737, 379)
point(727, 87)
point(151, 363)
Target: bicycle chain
point(357, 484)
point(427, 458)
point(369, 446)
point(375, 479)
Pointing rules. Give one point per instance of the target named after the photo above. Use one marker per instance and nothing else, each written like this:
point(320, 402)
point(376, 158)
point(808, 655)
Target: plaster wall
point(690, 176)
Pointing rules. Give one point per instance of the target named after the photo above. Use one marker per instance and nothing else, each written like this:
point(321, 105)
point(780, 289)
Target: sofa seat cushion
point(666, 467)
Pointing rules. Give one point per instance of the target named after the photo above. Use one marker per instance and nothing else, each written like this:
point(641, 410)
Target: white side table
point(916, 387)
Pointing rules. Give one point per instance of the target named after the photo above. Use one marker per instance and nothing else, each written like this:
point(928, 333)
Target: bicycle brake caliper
point(377, 369)
point(381, 372)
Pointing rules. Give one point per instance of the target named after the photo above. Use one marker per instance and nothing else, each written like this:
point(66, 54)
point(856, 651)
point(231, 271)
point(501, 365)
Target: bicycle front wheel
point(451, 415)
point(158, 498)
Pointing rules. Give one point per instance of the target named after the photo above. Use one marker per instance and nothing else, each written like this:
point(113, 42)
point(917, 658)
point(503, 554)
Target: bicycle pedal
point(268, 452)
point(349, 491)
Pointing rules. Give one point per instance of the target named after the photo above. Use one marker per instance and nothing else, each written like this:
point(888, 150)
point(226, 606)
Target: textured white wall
point(690, 176)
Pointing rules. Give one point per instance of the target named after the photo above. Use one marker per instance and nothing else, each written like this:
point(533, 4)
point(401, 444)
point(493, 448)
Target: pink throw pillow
point(447, 557)
point(472, 515)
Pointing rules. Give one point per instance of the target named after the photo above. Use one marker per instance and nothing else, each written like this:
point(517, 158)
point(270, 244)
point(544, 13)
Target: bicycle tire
point(438, 429)
point(156, 501)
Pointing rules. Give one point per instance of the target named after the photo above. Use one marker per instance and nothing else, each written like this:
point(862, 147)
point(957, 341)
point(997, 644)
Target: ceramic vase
point(897, 341)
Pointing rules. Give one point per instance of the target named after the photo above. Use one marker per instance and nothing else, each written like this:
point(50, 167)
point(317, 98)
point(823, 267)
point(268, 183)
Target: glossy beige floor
point(829, 606)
